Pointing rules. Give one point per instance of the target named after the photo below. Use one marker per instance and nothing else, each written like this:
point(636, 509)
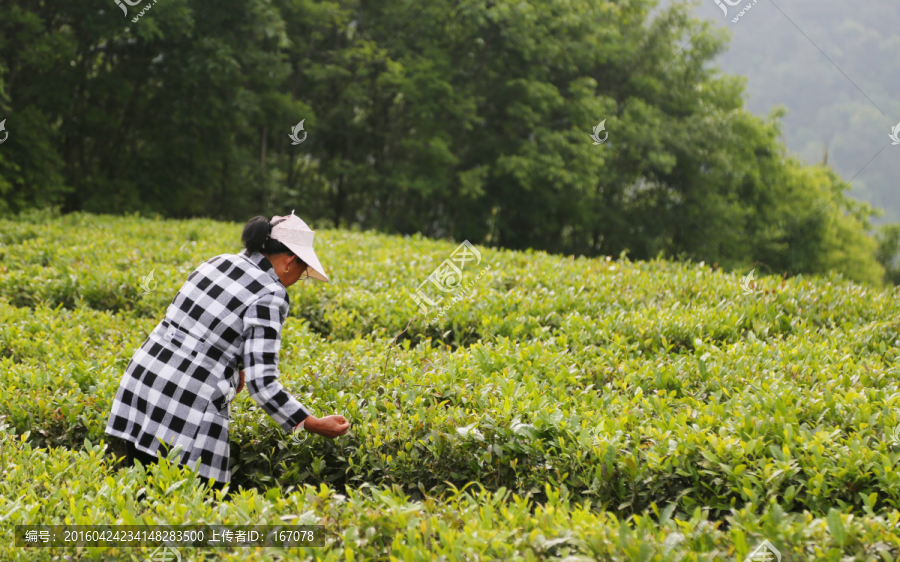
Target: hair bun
point(257, 236)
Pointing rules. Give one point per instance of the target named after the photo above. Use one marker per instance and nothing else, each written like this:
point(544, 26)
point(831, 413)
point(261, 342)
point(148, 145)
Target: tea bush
point(64, 486)
point(582, 396)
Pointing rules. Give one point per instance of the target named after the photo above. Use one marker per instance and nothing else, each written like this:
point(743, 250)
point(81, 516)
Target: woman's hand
point(241, 385)
point(329, 426)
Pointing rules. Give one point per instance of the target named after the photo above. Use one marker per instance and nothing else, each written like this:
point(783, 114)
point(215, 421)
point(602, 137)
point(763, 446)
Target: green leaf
point(836, 526)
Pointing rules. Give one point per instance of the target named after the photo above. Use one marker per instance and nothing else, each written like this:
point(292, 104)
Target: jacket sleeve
point(262, 339)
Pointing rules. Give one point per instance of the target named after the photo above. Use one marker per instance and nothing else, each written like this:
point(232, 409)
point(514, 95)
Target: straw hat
point(293, 233)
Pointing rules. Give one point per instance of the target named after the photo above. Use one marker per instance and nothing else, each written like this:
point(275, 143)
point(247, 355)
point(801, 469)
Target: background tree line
point(453, 118)
point(833, 64)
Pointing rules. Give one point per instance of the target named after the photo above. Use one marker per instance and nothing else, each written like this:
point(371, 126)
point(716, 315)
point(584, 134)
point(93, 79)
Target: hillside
point(833, 65)
point(605, 409)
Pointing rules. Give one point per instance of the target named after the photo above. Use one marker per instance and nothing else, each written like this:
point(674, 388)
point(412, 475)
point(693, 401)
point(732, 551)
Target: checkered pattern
point(179, 384)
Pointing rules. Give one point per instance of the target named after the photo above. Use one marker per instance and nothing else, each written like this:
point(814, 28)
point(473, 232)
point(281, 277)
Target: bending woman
point(224, 322)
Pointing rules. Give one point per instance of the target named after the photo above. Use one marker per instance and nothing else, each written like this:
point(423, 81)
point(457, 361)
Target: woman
point(224, 322)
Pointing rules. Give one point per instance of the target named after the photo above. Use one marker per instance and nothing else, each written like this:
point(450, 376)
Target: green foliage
point(451, 119)
point(627, 386)
point(888, 253)
point(829, 120)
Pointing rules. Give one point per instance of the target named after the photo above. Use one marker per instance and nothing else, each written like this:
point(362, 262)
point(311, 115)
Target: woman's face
point(296, 269)
point(302, 269)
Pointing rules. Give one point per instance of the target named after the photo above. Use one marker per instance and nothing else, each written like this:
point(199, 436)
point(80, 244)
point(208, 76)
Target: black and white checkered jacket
point(179, 384)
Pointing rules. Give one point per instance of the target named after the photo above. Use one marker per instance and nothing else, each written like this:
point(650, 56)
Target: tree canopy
point(452, 118)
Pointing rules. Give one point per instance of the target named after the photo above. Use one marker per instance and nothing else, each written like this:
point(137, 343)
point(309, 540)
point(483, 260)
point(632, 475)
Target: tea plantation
point(574, 409)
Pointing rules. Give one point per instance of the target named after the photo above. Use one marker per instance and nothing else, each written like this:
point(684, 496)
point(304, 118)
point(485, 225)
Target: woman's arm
point(329, 426)
point(263, 320)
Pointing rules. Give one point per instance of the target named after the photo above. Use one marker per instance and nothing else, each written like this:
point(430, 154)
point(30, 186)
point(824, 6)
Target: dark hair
point(256, 237)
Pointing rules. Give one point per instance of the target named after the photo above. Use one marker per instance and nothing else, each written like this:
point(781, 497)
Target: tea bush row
point(627, 385)
point(60, 486)
point(808, 421)
point(99, 262)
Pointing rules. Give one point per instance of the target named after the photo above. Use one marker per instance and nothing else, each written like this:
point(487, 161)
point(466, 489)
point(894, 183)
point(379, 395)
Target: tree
point(453, 118)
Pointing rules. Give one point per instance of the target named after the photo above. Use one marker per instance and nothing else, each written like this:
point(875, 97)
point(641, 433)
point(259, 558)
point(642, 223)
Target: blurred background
point(747, 140)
